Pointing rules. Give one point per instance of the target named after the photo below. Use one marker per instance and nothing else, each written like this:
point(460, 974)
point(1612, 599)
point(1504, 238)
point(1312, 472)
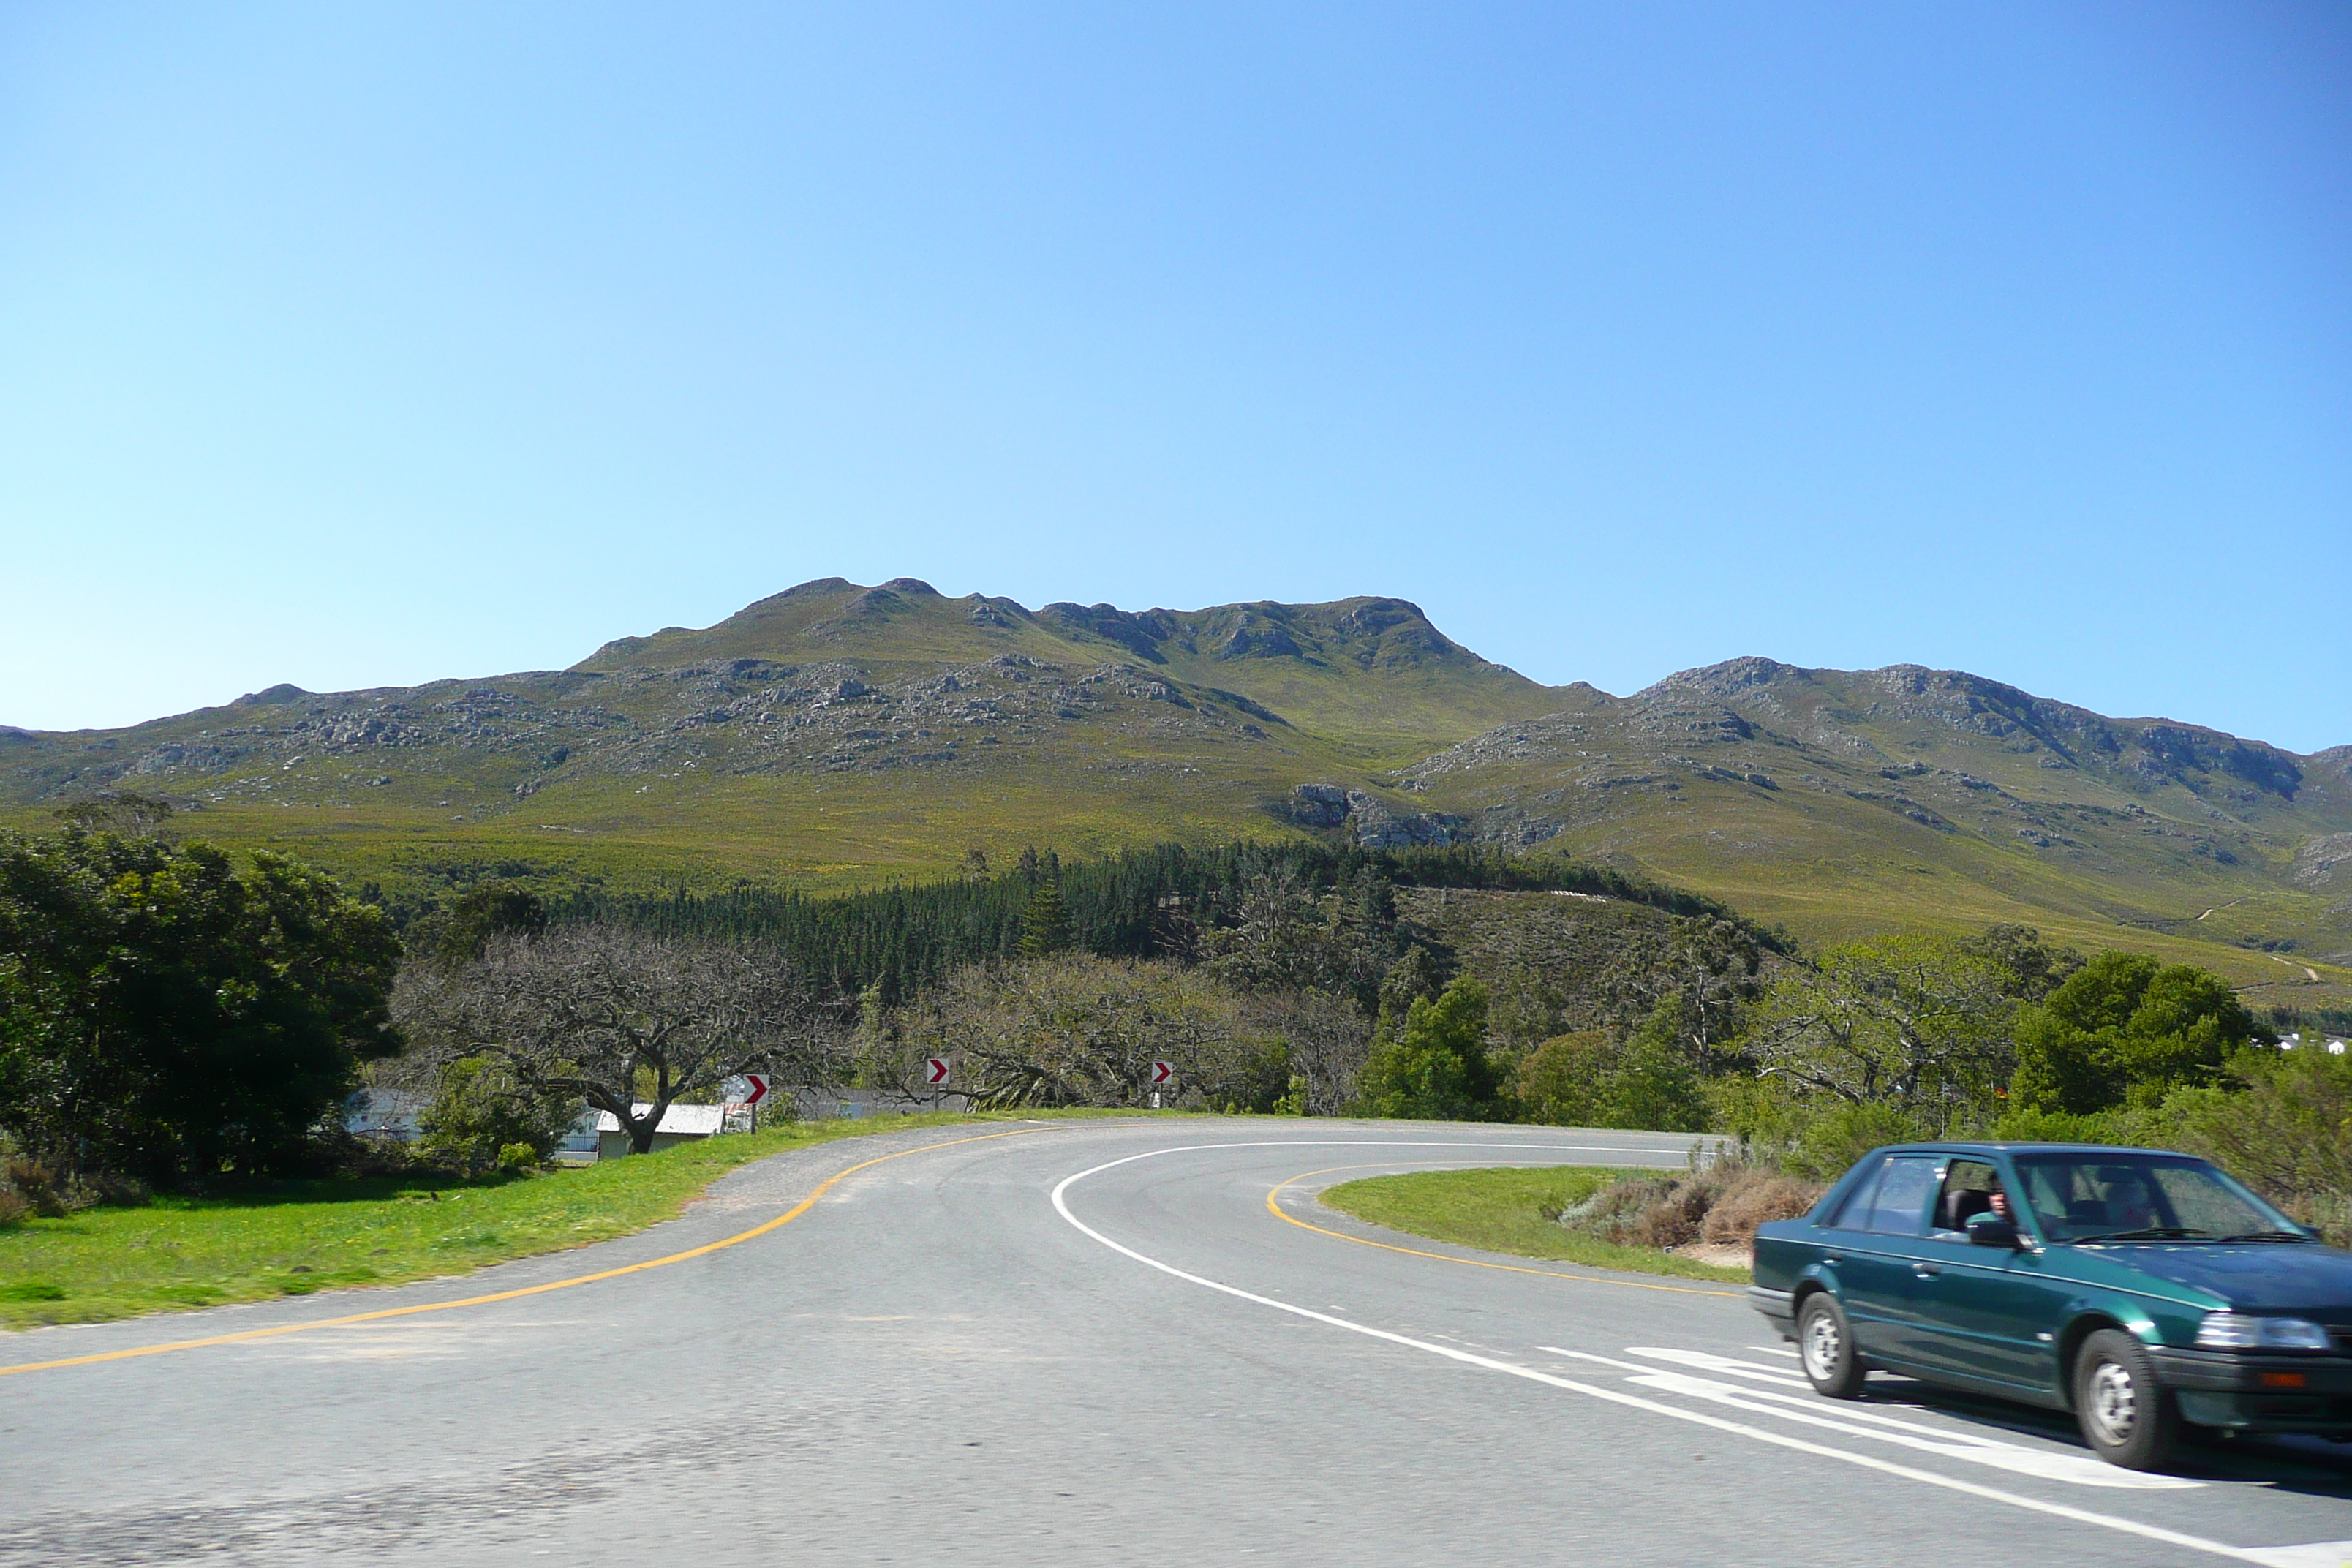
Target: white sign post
point(1163, 1076)
point(935, 1076)
point(747, 1090)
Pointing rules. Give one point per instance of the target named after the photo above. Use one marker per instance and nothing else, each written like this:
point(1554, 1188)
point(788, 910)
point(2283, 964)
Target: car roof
point(1961, 1147)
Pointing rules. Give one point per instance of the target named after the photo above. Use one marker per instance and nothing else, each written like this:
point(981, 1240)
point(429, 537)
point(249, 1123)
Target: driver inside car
point(1970, 1189)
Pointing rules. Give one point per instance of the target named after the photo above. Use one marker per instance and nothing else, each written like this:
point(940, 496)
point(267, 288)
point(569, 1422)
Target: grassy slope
point(838, 794)
point(2098, 849)
point(179, 1253)
point(1506, 1211)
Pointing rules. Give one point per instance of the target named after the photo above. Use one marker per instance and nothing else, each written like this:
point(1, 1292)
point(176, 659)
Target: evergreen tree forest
point(1140, 903)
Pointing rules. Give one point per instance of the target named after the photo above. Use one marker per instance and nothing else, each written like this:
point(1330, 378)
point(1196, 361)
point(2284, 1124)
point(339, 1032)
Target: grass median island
point(1512, 1210)
point(291, 1238)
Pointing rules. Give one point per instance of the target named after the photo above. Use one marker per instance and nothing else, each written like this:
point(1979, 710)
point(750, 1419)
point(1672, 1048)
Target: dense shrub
point(2126, 1030)
point(2284, 1126)
point(1593, 1079)
point(1436, 1067)
point(1722, 1204)
point(480, 1113)
point(166, 1014)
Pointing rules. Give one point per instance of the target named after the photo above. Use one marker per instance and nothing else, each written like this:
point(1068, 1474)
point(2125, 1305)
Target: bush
point(2287, 1133)
point(1815, 1137)
point(1722, 1206)
point(480, 1114)
point(46, 1189)
point(1436, 1068)
point(1588, 1079)
point(1757, 1197)
point(13, 1210)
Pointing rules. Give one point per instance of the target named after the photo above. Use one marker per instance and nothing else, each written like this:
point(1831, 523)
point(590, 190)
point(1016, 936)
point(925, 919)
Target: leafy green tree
point(1283, 937)
point(2031, 968)
point(2126, 1030)
point(480, 1110)
point(1045, 930)
point(1437, 1068)
point(166, 1015)
point(485, 910)
point(123, 813)
point(1646, 1079)
point(1417, 975)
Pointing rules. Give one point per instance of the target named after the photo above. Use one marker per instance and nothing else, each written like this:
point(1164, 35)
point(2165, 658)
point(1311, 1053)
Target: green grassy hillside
point(1841, 802)
point(835, 735)
point(832, 735)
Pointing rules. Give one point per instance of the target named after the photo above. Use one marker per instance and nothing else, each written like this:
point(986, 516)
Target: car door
point(1979, 1314)
point(1874, 1244)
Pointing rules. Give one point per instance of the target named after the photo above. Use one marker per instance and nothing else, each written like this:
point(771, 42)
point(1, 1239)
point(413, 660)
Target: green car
point(2137, 1289)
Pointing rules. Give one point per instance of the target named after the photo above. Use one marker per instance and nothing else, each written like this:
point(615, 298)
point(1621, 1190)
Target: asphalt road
point(1084, 1343)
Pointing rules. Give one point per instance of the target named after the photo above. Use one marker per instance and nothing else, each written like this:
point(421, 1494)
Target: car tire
point(1825, 1348)
point(2127, 1416)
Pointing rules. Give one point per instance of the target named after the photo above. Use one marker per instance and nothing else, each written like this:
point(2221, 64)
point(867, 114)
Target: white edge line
point(1613, 1397)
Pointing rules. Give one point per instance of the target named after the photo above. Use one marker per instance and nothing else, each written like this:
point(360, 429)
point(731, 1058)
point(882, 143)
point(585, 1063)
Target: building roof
point(685, 1121)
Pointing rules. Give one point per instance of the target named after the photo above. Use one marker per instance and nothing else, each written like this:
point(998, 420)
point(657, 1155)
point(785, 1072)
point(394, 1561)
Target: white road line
point(1809, 1409)
point(2267, 1555)
point(1779, 1377)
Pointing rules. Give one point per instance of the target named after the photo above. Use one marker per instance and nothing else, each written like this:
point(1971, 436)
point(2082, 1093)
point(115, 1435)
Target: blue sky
point(360, 345)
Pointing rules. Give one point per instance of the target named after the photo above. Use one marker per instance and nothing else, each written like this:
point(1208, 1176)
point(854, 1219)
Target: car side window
point(1968, 1192)
point(1853, 1214)
point(1899, 1207)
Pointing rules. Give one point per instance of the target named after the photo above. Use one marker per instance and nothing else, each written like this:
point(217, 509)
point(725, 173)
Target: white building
point(679, 1124)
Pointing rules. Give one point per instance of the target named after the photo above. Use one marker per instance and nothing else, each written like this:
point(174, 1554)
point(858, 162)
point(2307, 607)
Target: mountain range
point(835, 735)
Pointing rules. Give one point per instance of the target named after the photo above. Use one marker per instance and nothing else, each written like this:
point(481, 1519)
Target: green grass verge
point(1508, 1211)
point(301, 1236)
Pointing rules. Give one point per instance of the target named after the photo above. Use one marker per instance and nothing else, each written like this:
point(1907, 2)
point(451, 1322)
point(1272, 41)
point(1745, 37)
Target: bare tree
point(1907, 1021)
point(1075, 1029)
point(611, 1014)
point(1327, 1037)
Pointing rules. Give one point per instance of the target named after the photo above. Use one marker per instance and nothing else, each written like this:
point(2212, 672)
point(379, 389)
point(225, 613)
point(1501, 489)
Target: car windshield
point(2131, 1198)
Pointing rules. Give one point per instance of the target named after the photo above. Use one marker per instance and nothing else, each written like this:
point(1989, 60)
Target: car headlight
point(2235, 1331)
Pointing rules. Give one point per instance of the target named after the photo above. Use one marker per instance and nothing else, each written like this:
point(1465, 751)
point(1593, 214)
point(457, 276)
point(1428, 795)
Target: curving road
point(1078, 1343)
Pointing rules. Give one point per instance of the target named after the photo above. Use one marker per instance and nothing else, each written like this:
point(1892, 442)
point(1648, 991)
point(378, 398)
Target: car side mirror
point(1991, 1231)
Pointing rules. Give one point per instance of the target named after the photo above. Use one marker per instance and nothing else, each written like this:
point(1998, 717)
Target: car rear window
point(1901, 1202)
point(1892, 1200)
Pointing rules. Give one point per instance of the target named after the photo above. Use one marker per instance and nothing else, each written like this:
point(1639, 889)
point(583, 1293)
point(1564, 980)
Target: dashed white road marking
point(2296, 1556)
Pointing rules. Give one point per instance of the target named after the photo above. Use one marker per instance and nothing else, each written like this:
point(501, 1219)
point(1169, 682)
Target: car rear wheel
point(1825, 1348)
point(2126, 1416)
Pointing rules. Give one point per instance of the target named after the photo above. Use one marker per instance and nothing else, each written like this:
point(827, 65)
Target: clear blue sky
point(360, 344)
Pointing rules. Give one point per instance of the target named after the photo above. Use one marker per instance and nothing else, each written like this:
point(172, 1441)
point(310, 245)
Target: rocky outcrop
point(2325, 862)
point(1376, 824)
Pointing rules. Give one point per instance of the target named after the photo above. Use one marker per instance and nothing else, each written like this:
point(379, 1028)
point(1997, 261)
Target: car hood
point(2250, 1274)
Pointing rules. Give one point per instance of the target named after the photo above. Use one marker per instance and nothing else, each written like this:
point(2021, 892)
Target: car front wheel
point(2126, 1417)
point(1825, 1348)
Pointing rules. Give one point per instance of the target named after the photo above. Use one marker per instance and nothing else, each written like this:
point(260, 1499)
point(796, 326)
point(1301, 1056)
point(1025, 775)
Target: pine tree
point(1047, 927)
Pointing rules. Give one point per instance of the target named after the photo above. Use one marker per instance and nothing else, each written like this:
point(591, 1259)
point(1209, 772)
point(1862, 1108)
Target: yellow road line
point(795, 1212)
point(1275, 1209)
